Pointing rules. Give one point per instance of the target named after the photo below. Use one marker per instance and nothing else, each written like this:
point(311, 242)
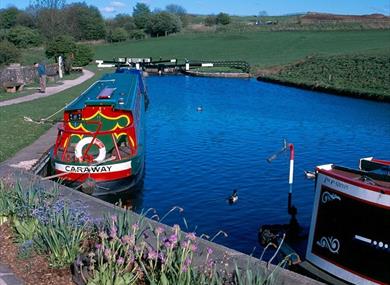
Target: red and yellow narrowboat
point(100, 146)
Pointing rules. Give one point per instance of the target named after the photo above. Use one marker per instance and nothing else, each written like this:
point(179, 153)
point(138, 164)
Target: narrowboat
point(100, 146)
point(348, 241)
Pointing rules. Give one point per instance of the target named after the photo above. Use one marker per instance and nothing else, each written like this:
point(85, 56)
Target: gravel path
point(50, 90)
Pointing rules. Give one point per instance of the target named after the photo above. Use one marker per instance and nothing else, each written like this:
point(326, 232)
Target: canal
point(195, 159)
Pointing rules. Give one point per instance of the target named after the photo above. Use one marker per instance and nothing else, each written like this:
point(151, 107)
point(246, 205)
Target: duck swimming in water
point(310, 174)
point(233, 198)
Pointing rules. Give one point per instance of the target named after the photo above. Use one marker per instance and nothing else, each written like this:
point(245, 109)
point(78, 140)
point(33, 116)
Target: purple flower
point(113, 232)
point(191, 236)
point(159, 230)
point(161, 256)
point(176, 228)
point(107, 253)
point(114, 218)
point(135, 227)
point(173, 239)
point(120, 260)
point(186, 244)
point(98, 246)
point(152, 255)
point(209, 250)
point(193, 247)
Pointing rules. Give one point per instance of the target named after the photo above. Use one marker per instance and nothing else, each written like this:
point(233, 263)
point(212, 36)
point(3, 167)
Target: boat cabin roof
point(365, 179)
point(118, 89)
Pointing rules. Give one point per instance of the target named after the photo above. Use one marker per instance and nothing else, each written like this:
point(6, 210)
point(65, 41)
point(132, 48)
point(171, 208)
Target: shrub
point(24, 37)
point(83, 55)
point(8, 53)
point(62, 45)
point(223, 19)
point(119, 35)
point(137, 35)
point(210, 20)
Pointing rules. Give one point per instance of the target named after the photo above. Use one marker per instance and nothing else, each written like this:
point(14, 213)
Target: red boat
point(100, 145)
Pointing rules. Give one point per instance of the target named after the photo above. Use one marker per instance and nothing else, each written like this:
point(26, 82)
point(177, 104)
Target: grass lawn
point(15, 133)
point(261, 49)
point(367, 73)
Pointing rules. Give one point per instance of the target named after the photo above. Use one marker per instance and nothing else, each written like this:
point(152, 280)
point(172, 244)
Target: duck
point(233, 198)
point(310, 174)
point(199, 108)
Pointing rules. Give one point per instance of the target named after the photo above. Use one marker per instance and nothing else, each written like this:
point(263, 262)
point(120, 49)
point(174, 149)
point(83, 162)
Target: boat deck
point(368, 180)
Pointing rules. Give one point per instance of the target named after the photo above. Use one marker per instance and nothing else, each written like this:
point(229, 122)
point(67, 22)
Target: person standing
point(42, 76)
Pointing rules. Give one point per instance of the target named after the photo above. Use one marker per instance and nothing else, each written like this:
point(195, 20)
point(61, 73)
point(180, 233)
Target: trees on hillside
point(24, 37)
point(141, 15)
point(163, 23)
point(84, 22)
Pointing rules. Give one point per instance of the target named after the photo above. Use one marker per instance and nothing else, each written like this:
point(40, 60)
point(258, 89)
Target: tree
point(61, 45)
point(8, 53)
point(124, 21)
point(210, 20)
point(223, 19)
point(163, 23)
point(179, 11)
point(141, 15)
point(84, 22)
point(50, 17)
point(175, 9)
point(8, 17)
point(24, 37)
point(26, 19)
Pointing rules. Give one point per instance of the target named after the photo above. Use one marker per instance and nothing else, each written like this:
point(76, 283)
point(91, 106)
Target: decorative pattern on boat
point(328, 197)
point(331, 243)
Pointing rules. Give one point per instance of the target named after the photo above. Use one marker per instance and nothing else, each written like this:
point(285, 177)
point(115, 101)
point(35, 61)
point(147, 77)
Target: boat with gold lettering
point(100, 144)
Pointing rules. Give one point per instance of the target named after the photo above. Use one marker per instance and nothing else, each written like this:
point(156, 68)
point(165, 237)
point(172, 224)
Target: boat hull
point(102, 179)
point(349, 234)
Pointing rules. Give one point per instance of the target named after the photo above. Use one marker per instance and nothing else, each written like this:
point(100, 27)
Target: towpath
point(7, 277)
point(51, 90)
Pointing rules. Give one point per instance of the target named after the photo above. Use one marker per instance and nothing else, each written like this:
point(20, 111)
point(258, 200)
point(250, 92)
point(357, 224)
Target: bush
point(83, 55)
point(210, 21)
point(223, 19)
point(137, 35)
point(62, 45)
point(119, 35)
point(8, 53)
point(24, 37)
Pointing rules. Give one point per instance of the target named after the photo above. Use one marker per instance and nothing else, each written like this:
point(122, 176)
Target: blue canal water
point(195, 159)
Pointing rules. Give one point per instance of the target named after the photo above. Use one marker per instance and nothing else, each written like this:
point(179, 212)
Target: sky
point(235, 7)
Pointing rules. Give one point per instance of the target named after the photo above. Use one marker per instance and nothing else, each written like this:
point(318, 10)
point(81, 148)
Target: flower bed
point(120, 249)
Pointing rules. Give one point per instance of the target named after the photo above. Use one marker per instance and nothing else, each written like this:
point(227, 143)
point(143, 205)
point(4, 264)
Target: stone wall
point(24, 74)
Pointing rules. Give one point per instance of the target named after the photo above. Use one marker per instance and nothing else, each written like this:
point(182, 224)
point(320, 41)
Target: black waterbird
point(233, 198)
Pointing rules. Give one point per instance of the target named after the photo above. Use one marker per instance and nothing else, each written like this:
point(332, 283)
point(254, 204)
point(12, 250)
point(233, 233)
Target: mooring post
point(291, 176)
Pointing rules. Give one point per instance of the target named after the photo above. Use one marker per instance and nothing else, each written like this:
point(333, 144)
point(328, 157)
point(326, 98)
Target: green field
point(261, 49)
point(360, 74)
